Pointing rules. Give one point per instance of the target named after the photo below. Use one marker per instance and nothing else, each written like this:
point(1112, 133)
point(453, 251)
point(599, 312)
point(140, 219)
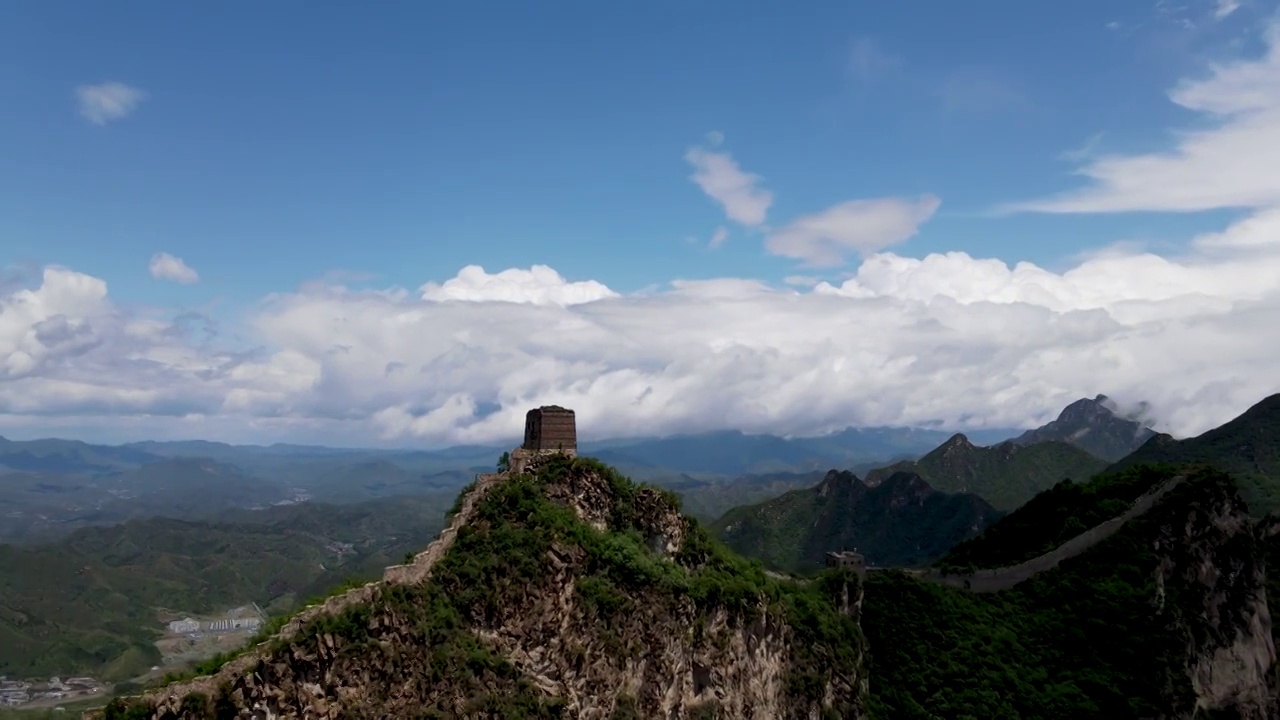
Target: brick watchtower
point(548, 430)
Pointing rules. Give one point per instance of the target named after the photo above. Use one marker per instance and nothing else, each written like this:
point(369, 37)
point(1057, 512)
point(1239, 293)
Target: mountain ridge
point(1247, 447)
point(899, 521)
point(1005, 475)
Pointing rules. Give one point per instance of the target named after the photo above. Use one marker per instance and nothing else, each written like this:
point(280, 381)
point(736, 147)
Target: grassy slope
point(89, 603)
point(1004, 475)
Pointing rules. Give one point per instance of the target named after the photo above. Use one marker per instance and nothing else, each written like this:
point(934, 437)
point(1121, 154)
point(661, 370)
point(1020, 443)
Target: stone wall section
point(995, 580)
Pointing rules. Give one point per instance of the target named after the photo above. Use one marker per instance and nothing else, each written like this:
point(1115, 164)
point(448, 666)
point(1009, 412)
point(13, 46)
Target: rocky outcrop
point(1211, 584)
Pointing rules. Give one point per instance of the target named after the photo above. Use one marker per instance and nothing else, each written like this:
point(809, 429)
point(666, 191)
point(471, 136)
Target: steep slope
point(1166, 617)
point(566, 593)
point(900, 521)
point(1248, 448)
point(1093, 426)
point(1006, 475)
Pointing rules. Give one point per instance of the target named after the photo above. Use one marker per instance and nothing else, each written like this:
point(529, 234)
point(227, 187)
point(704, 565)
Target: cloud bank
point(946, 339)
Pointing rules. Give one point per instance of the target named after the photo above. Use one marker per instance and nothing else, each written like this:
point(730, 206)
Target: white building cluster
point(187, 626)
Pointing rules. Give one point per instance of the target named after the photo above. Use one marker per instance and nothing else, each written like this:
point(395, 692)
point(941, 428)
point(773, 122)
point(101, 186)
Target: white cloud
point(167, 267)
point(947, 338)
point(1225, 8)
point(825, 238)
point(719, 236)
point(108, 101)
point(740, 193)
point(539, 285)
point(715, 138)
point(1228, 164)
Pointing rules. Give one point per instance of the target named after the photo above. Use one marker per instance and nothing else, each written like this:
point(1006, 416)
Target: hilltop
point(565, 590)
point(1247, 447)
point(899, 521)
point(1093, 426)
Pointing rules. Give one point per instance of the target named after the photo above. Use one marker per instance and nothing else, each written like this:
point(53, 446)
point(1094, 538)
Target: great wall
point(995, 580)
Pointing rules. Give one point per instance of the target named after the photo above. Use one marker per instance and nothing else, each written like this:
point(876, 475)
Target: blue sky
point(280, 141)
point(267, 145)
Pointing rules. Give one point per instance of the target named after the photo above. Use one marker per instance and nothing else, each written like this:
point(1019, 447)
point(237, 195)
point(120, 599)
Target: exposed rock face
point(576, 595)
point(1093, 426)
point(1211, 583)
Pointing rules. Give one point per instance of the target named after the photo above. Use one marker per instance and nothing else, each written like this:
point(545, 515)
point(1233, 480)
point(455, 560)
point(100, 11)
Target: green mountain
point(1247, 447)
point(1006, 475)
point(90, 602)
point(1092, 426)
point(569, 592)
point(1160, 611)
point(899, 521)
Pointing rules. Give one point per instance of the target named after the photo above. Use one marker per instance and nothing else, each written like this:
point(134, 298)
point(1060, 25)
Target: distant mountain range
point(721, 454)
point(50, 487)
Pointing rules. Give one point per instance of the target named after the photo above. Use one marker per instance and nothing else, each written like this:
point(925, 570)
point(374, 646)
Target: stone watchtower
point(548, 430)
point(550, 427)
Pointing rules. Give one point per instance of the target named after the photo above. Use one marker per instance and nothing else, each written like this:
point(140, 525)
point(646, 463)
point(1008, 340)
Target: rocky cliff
point(563, 592)
point(1210, 586)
